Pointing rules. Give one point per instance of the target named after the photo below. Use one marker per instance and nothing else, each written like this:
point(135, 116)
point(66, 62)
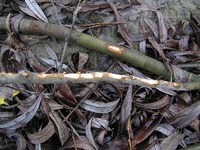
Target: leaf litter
point(102, 115)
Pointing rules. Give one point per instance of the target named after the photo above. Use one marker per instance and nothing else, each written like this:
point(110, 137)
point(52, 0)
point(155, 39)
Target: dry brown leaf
point(134, 2)
point(20, 141)
point(154, 105)
point(63, 131)
point(161, 27)
point(89, 134)
point(65, 91)
point(83, 58)
point(143, 133)
point(42, 135)
point(99, 107)
point(172, 141)
point(183, 43)
point(81, 143)
point(188, 114)
point(126, 107)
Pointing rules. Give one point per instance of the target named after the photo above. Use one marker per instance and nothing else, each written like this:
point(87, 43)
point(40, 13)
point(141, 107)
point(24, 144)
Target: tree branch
point(27, 26)
point(42, 78)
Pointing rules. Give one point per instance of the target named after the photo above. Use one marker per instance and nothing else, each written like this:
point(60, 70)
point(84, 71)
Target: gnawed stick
point(42, 78)
point(27, 26)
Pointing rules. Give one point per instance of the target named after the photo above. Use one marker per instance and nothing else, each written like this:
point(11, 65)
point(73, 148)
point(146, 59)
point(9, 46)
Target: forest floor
point(97, 74)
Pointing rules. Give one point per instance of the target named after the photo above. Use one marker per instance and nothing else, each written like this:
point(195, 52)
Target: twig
point(42, 78)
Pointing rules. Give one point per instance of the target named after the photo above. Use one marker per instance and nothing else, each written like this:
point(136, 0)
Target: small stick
point(42, 78)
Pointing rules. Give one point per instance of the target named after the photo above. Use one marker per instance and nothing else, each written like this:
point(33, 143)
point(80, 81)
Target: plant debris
point(99, 74)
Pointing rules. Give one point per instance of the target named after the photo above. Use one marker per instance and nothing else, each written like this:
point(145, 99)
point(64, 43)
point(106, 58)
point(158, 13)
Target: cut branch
point(27, 26)
point(42, 78)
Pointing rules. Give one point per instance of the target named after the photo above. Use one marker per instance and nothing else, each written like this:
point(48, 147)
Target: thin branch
point(42, 78)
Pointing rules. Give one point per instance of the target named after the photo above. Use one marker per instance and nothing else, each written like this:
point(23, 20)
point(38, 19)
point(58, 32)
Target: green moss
point(94, 17)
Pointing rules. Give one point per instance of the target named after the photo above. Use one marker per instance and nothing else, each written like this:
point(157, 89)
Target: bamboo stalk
point(131, 56)
point(42, 78)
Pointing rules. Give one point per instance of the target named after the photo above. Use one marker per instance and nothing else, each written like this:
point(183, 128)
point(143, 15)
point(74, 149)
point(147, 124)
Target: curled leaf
point(42, 135)
point(23, 118)
point(99, 107)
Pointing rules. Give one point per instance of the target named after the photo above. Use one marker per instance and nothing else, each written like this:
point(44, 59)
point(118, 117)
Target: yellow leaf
point(14, 93)
point(1, 101)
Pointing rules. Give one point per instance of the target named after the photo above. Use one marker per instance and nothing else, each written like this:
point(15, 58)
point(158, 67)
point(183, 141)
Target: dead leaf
point(165, 129)
point(51, 53)
point(183, 43)
point(100, 123)
point(153, 26)
point(32, 4)
point(81, 143)
point(134, 2)
point(42, 135)
point(154, 105)
point(23, 118)
point(91, 7)
point(188, 114)
point(20, 141)
point(89, 134)
point(161, 27)
point(172, 141)
point(143, 133)
point(126, 107)
point(156, 146)
point(99, 107)
point(65, 91)
point(83, 57)
point(63, 131)
point(179, 74)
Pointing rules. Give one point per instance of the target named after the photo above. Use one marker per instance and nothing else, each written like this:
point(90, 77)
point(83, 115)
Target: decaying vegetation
point(90, 74)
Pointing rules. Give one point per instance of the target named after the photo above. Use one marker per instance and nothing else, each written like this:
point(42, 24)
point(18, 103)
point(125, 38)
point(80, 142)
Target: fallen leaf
point(23, 118)
point(143, 133)
point(183, 43)
point(20, 141)
point(99, 107)
point(172, 141)
point(154, 105)
point(161, 27)
point(126, 107)
point(7, 93)
point(63, 131)
point(42, 135)
point(32, 4)
point(100, 123)
point(81, 143)
point(89, 133)
point(188, 114)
